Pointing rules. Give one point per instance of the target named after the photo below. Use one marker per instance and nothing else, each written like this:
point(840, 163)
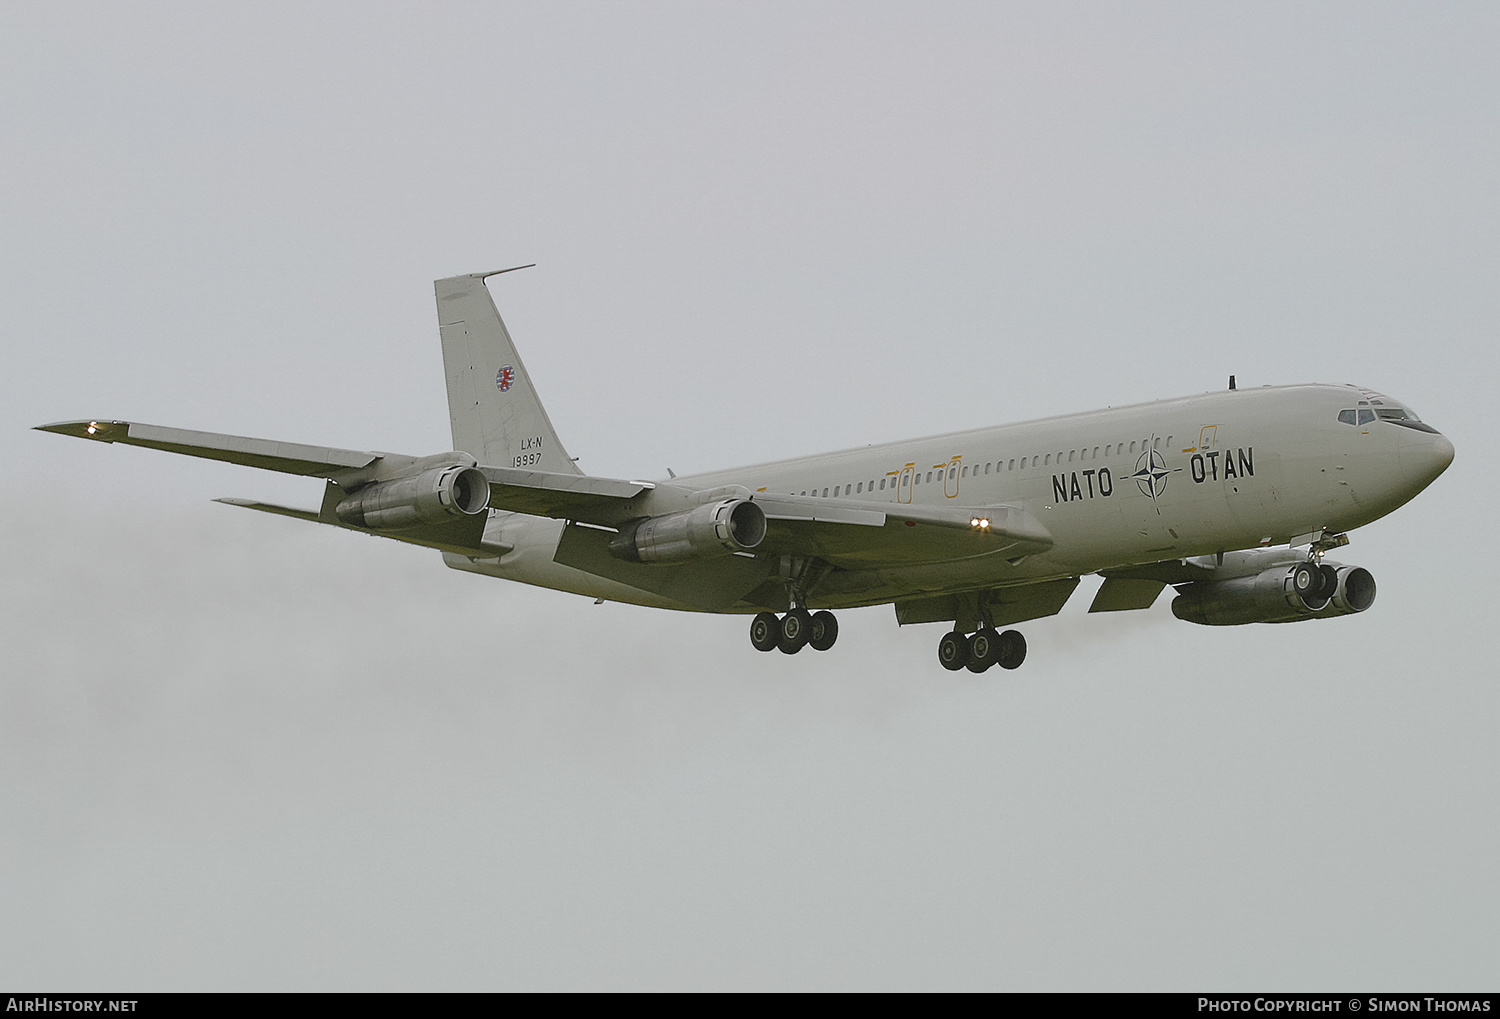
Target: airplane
point(1232, 497)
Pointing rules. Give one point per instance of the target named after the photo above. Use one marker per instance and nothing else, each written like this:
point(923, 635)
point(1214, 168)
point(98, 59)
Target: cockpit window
point(1346, 416)
point(1390, 411)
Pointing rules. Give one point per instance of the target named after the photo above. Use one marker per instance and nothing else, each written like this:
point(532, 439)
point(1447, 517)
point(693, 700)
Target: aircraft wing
point(267, 454)
point(852, 533)
point(563, 496)
point(848, 532)
point(843, 531)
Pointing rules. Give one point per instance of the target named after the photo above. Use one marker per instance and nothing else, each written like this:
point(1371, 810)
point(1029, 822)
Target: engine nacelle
point(1283, 594)
point(432, 497)
point(713, 529)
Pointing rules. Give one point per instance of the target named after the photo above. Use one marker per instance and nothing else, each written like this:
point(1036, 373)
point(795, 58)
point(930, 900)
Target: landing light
point(93, 427)
point(980, 523)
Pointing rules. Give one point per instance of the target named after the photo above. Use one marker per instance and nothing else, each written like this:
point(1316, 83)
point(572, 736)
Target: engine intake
point(713, 529)
point(431, 497)
point(1283, 594)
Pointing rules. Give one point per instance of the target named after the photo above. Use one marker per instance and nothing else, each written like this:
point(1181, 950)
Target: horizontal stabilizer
point(267, 454)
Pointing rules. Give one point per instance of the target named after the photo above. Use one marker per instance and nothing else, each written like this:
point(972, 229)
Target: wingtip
point(99, 430)
point(497, 272)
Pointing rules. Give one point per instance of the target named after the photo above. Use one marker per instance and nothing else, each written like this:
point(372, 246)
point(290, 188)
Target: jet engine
point(1283, 594)
point(713, 529)
point(431, 497)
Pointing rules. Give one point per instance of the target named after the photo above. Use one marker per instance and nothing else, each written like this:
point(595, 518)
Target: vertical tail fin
point(495, 411)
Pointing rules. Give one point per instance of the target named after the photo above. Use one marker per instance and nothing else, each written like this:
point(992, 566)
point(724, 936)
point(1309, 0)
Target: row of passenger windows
point(992, 467)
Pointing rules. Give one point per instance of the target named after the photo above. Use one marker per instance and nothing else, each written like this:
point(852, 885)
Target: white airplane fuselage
point(1172, 479)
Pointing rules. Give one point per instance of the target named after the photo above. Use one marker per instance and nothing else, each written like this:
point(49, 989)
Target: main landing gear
point(794, 631)
point(982, 649)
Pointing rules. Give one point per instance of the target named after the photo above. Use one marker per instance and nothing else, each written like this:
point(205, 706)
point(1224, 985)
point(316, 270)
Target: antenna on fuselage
point(1231, 383)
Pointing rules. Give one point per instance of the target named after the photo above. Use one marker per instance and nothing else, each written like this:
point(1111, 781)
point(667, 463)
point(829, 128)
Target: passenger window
point(859, 488)
point(1346, 416)
point(1023, 463)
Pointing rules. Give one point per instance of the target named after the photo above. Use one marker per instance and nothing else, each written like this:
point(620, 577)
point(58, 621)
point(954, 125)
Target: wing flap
point(1123, 594)
point(562, 496)
point(1004, 605)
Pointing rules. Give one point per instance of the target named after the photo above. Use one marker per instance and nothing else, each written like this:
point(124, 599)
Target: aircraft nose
point(1424, 460)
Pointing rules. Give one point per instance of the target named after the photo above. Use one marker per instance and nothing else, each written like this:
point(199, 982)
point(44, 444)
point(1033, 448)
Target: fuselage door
point(903, 492)
point(950, 483)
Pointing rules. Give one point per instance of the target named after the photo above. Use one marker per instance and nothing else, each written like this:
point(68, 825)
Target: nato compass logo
point(1151, 473)
point(505, 378)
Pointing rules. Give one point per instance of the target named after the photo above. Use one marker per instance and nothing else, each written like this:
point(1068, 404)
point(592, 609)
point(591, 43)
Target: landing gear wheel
point(765, 631)
point(1011, 649)
point(825, 630)
point(796, 631)
point(953, 651)
point(984, 650)
point(1305, 580)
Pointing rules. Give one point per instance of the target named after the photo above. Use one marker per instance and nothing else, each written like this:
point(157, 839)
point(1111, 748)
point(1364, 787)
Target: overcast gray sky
point(246, 753)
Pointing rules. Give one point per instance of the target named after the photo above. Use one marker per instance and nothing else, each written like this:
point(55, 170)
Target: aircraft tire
point(953, 651)
point(825, 630)
point(1012, 649)
point(795, 631)
point(984, 650)
point(765, 631)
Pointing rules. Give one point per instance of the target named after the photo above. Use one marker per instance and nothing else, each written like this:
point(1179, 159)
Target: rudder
point(494, 409)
